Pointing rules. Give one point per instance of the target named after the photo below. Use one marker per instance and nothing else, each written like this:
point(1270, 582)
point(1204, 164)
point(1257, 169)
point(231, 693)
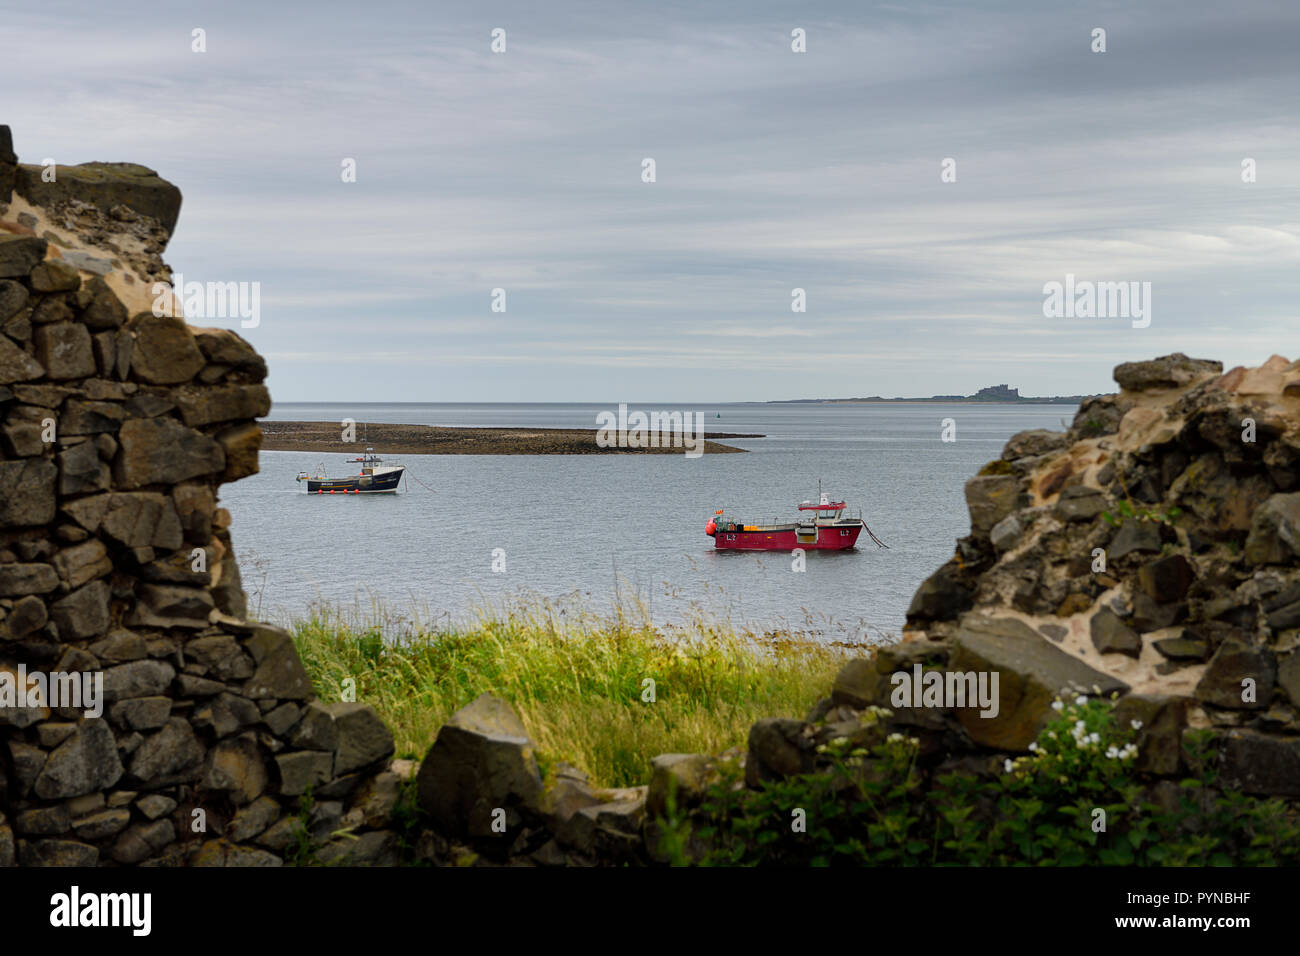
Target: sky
point(775, 170)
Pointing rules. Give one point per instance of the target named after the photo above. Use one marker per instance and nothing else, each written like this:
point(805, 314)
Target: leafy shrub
point(872, 806)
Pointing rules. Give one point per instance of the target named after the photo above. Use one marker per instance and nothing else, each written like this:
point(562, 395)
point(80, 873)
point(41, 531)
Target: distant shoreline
point(1067, 400)
point(989, 395)
point(391, 439)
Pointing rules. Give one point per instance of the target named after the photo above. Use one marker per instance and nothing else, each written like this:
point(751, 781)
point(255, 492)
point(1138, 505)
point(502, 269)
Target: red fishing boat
point(822, 526)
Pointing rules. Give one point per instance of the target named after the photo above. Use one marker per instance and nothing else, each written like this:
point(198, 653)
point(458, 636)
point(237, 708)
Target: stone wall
point(1152, 550)
point(117, 428)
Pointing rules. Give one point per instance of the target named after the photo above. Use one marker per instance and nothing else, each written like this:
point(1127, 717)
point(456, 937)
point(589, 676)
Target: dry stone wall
point(143, 718)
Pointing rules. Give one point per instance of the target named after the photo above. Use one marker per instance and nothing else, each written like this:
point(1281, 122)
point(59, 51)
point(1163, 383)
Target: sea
point(608, 533)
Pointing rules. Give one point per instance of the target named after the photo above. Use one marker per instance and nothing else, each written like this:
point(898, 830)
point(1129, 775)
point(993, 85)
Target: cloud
point(775, 170)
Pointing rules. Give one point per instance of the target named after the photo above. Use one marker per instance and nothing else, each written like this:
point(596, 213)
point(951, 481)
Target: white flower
point(1052, 734)
point(1058, 706)
point(1078, 726)
point(1111, 753)
point(1033, 746)
point(1007, 765)
point(1095, 738)
point(1080, 701)
point(1135, 724)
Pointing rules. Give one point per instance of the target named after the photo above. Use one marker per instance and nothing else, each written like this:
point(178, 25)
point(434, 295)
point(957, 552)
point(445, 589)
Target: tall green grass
point(576, 679)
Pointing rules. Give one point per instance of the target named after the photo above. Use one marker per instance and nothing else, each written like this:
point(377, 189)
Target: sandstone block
point(163, 451)
point(64, 350)
point(16, 365)
point(26, 493)
point(1031, 673)
point(481, 760)
point(19, 254)
point(83, 612)
point(165, 352)
point(85, 762)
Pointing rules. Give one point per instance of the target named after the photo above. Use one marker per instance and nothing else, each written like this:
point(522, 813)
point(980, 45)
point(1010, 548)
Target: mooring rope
point(873, 537)
point(407, 474)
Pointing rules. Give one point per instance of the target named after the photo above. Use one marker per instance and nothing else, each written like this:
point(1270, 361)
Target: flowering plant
point(1082, 749)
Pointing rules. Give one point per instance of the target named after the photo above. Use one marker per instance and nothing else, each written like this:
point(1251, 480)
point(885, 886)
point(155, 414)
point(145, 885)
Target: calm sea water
point(587, 527)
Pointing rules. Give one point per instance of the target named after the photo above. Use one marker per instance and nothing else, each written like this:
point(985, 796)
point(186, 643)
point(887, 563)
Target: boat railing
point(786, 519)
point(844, 514)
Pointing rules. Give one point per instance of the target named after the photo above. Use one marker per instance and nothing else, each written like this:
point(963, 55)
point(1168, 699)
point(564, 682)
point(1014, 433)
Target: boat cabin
point(368, 461)
point(825, 509)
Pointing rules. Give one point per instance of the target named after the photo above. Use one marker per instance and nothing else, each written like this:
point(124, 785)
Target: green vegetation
point(302, 851)
point(407, 820)
point(1126, 510)
point(578, 681)
point(874, 808)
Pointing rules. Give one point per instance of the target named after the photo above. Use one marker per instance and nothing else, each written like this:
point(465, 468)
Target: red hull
point(828, 539)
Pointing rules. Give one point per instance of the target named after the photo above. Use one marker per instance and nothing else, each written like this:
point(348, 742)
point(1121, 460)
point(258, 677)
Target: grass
point(578, 681)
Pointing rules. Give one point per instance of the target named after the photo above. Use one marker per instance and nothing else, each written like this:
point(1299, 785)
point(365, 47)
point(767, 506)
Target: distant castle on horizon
point(990, 393)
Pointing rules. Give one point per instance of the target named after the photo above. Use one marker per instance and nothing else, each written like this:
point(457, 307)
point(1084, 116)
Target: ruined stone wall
point(1152, 551)
point(117, 428)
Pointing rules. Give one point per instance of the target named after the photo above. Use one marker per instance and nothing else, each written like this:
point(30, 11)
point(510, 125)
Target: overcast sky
point(775, 170)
